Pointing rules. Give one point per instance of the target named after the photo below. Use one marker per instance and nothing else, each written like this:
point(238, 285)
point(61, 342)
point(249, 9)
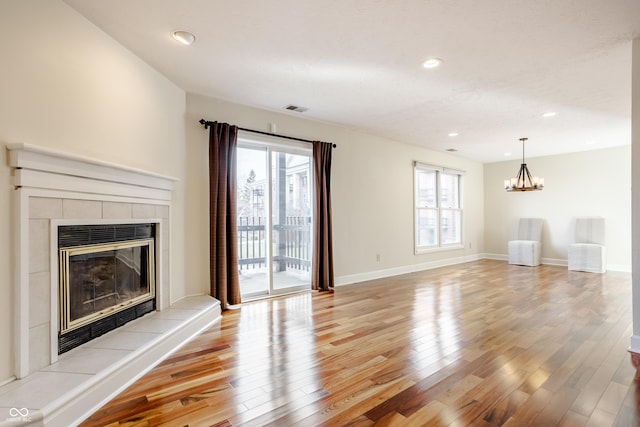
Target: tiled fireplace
point(56, 192)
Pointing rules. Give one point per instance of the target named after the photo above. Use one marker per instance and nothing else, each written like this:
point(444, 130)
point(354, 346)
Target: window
point(438, 207)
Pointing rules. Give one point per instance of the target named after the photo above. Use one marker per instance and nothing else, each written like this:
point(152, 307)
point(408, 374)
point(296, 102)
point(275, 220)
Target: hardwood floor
point(476, 344)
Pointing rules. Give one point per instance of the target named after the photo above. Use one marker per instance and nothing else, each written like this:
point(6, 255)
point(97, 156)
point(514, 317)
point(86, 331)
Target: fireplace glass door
point(101, 279)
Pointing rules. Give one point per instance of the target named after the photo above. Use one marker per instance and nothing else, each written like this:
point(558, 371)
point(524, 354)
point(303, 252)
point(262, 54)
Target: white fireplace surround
point(53, 189)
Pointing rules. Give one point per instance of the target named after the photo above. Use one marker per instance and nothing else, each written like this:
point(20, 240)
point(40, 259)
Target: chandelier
point(523, 181)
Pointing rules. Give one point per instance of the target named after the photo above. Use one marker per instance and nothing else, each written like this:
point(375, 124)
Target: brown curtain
point(223, 252)
point(322, 277)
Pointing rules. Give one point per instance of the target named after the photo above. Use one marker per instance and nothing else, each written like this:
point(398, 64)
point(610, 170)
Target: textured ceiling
point(357, 63)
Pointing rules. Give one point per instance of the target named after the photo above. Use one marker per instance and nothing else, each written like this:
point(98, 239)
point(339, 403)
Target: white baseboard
point(555, 261)
point(561, 262)
point(396, 271)
point(546, 261)
point(499, 257)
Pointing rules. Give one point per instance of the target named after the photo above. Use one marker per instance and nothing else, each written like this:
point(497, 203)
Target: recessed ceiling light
point(549, 114)
point(507, 154)
point(451, 150)
point(454, 134)
point(184, 37)
point(432, 63)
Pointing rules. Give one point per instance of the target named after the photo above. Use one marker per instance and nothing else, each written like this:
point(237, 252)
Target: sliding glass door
point(252, 221)
point(274, 219)
point(291, 224)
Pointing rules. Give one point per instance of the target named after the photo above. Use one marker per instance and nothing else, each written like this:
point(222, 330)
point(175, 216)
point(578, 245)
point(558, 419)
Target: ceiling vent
point(296, 108)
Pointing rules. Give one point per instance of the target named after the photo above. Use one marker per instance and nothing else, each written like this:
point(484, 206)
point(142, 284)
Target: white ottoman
point(588, 257)
point(524, 252)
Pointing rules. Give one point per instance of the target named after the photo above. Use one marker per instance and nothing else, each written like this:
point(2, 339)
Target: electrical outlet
point(377, 257)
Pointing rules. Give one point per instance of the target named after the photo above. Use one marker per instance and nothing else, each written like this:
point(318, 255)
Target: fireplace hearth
point(107, 278)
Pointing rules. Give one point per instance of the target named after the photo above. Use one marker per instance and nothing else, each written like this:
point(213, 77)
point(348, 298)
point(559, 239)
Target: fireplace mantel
point(44, 168)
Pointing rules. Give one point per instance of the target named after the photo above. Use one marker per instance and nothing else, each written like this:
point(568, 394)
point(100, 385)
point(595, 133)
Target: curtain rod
point(207, 123)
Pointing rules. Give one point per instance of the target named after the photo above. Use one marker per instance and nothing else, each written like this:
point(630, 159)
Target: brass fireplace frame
point(66, 324)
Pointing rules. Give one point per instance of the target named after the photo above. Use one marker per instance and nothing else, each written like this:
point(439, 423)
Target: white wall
point(372, 186)
point(68, 86)
point(590, 183)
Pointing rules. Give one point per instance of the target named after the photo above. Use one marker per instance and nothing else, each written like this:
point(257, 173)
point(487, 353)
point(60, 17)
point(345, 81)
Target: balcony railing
point(291, 243)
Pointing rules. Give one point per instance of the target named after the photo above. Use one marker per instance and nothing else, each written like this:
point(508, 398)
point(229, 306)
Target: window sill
point(420, 251)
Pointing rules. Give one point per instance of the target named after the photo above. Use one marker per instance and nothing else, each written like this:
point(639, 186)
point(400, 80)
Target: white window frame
point(438, 245)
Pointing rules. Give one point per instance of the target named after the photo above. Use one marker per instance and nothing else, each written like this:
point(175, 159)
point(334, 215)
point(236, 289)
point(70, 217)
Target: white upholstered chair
point(526, 248)
point(588, 251)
